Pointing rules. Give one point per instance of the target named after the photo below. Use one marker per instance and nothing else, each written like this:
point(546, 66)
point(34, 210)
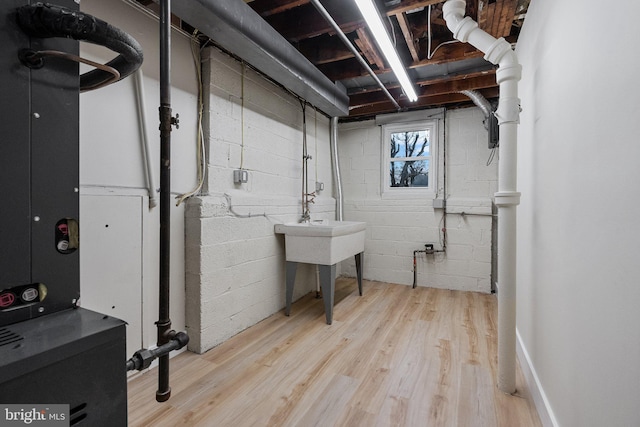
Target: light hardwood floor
point(396, 356)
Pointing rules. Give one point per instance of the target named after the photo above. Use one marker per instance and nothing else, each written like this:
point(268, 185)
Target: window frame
point(410, 192)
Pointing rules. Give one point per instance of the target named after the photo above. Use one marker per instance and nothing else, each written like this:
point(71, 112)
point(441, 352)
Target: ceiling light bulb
point(372, 17)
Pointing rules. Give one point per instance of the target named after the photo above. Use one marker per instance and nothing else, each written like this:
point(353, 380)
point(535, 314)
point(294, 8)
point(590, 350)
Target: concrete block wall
point(396, 227)
point(234, 261)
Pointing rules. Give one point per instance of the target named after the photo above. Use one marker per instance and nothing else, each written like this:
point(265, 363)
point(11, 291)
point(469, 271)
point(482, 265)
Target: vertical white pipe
point(498, 51)
point(335, 160)
point(507, 200)
point(144, 140)
point(506, 299)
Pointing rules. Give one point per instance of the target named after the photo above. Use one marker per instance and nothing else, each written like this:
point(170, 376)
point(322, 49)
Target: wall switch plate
point(319, 186)
point(439, 203)
point(240, 176)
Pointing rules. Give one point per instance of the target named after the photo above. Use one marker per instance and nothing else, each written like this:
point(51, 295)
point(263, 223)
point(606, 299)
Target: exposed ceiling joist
point(372, 110)
point(277, 6)
point(368, 49)
point(453, 67)
point(408, 36)
point(435, 88)
point(409, 5)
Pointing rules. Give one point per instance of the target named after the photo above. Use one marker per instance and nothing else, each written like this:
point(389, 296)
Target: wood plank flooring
point(396, 356)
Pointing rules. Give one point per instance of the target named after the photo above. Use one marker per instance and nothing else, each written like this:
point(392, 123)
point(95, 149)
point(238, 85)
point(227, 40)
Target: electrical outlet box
point(439, 203)
point(494, 131)
point(319, 186)
point(428, 248)
point(240, 176)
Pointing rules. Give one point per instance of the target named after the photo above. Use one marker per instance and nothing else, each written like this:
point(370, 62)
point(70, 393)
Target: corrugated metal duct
point(237, 28)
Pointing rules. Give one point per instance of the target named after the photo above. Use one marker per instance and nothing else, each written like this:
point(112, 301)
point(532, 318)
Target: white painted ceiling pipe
point(499, 52)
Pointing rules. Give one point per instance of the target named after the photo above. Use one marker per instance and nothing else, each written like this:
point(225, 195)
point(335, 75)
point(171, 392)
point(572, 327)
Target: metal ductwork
point(480, 102)
point(239, 29)
point(490, 121)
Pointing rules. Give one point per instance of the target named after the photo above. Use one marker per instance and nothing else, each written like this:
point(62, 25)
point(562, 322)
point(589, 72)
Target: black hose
point(46, 21)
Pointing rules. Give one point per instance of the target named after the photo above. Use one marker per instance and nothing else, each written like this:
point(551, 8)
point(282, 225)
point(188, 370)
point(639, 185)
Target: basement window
point(409, 167)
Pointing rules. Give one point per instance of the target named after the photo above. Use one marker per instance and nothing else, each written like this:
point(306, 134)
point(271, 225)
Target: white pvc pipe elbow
point(453, 12)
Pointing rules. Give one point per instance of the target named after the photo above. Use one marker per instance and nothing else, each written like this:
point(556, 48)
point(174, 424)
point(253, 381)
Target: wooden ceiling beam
point(408, 36)
point(305, 22)
point(506, 18)
point(461, 76)
point(368, 49)
point(302, 20)
point(454, 52)
point(271, 7)
point(451, 53)
point(475, 83)
point(428, 89)
point(324, 50)
point(435, 80)
point(483, 14)
point(342, 70)
point(497, 18)
point(472, 9)
point(350, 68)
point(372, 110)
point(408, 5)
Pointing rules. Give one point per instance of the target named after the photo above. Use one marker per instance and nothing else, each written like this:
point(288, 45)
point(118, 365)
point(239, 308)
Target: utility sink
point(324, 243)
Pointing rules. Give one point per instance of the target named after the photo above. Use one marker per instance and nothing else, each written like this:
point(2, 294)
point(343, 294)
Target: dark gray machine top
point(39, 342)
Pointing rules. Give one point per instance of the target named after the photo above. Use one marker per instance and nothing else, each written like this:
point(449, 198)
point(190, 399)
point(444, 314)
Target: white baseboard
point(537, 393)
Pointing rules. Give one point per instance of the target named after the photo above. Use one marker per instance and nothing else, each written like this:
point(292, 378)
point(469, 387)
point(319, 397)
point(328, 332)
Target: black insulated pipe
point(45, 20)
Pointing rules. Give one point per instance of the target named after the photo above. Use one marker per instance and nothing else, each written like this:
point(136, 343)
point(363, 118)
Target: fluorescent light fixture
point(372, 17)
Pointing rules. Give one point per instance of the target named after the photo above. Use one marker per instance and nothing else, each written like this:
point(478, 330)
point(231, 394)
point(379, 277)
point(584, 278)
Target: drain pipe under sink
point(499, 51)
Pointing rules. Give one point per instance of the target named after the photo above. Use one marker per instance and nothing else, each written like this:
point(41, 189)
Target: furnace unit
point(51, 351)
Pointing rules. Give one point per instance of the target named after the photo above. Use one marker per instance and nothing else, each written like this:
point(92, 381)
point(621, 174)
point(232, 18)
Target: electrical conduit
point(144, 139)
point(498, 51)
point(335, 160)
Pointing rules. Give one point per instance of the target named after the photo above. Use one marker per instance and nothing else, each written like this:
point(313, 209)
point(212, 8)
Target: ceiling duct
point(239, 29)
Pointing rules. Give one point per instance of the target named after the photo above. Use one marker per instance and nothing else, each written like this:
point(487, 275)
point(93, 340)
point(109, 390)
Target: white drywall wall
point(578, 233)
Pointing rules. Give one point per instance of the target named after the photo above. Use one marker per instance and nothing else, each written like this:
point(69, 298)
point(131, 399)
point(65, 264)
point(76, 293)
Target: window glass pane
point(410, 144)
point(409, 174)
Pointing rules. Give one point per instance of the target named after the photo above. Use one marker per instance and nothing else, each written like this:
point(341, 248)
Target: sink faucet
point(307, 198)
